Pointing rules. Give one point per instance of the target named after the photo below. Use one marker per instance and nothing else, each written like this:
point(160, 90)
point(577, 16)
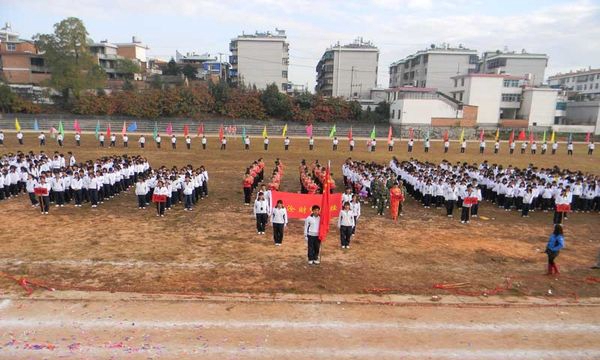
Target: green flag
point(155, 132)
point(373, 133)
point(544, 138)
point(243, 134)
point(61, 129)
point(97, 129)
point(332, 132)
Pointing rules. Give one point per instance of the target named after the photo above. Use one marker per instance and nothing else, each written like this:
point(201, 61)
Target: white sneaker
point(310, 262)
point(317, 262)
point(46, 213)
point(462, 222)
point(56, 205)
point(347, 246)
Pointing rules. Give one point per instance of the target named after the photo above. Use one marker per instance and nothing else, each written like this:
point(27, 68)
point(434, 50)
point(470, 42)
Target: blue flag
point(36, 126)
point(132, 127)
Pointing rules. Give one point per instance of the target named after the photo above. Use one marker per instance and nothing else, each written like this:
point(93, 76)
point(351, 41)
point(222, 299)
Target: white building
point(538, 106)
point(583, 116)
point(260, 59)
point(585, 82)
point(421, 106)
point(348, 71)
point(523, 64)
point(506, 100)
point(433, 67)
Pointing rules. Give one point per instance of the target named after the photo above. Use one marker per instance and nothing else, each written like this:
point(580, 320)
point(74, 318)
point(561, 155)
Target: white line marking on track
point(301, 325)
point(5, 303)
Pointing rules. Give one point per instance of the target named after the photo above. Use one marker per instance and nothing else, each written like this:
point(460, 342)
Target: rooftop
point(411, 89)
point(438, 49)
point(279, 33)
point(576, 72)
point(479, 75)
point(512, 54)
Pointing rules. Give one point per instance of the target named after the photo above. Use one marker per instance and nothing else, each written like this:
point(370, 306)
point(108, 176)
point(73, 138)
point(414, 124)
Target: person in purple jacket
point(555, 243)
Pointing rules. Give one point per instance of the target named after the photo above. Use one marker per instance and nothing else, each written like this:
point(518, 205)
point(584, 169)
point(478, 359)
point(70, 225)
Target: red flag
point(446, 136)
point(587, 137)
point(169, 129)
point(108, 131)
point(350, 133)
point(522, 135)
point(390, 135)
point(511, 139)
point(124, 130)
point(201, 129)
point(325, 210)
point(481, 136)
point(221, 134)
point(531, 137)
point(186, 130)
point(411, 133)
point(76, 126)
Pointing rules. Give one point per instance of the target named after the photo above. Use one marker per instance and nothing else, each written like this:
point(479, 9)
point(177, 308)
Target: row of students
point(312, 178)
point(253, 176)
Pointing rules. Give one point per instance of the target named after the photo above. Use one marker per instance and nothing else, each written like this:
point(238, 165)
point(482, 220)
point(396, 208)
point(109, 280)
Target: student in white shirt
point(355, 206)
point(188, 142)
point(591, 147)
point(157, 140)
point(482, 147)
point(45, 199)
point(1, 137)
point(446, 146)
point(463, 146)
point(113, 140)
point(141, 189)
point(286, 143)
point(78, 139)
point(60, 138)
point(351, 143)
point(77, 186)
point(411, 144)
point(30, 186)
point(247, 143)
point(188, 193)
point(173, 142)
point(335, 143)
point(142, 141)
point(311, 143)
point(496, 147)
point(554, 147)
point(42, 139)
point(204, 141)
point(224, 143)
point(266, 143)
point(279, 220)
point(101, 139)
point(570, 149)
point(512, 147)
point(311, 235)
point(20, 137)
point(125, 140)
point(261, 212)
point(346, 225)
point(391, 145)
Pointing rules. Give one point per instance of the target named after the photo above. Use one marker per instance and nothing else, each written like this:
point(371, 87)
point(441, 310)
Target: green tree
point(127, 68)
point(172, 68)
point(190, 71)
point(304, 100)
point(128, 85)
point(220, 92)
point(7, 98)
point(276, 104)
point(156, 82)
point(68, 58)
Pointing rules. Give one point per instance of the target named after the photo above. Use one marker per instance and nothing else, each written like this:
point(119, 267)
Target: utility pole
point(351, 81)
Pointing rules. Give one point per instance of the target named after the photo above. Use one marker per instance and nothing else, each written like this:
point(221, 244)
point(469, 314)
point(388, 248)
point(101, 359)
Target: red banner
point(298, 205)
point(159, 198)
point(471, 200)
point(563, 207)
point(40, 191)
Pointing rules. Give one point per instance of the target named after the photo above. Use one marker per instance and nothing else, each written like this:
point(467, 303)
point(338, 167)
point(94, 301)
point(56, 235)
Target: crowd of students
point(253, 176)
point(312, 178)
point(67, 181)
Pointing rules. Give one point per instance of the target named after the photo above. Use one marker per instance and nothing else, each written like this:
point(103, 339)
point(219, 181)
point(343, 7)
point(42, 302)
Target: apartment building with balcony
point(348, 71)
point(584, 83)
point(524, 64)
point(260, 59)
point(433, 67)
point(20, 60)
point(506, 100)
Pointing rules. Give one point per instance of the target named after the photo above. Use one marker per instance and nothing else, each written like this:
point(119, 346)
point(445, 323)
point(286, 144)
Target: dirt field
point(215, 248)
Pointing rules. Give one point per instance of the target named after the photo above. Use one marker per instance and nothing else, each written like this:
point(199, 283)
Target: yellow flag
point(497, 134)
point(284, 130)
point(552, 137)
point(462, 135)
point(17, 125)
point(264, 134)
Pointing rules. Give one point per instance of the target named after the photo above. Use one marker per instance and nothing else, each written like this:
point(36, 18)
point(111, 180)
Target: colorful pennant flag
point(544, 136)
point(553, 136)
point(36, 126)
point(155, 132)
point(76, 126)
point(522, 135)
point(132, 127)
point(481, 135)
point(284, 132)
point(17, 125)
point(221, 133)
point(309, 130)
point(332, 131)
point(108, 131)
point(587, 137)
point(124, 129)
point(186, 130)
point(350, 133)
point(373, 133)
point(61, 129)
point(411, 133)
point(53, 132)
point(570, 137)
point(497, 134)
point(511, 138)
point(531, 137)
point(446, 136)
point(462, 136)
point(201, 129)
point(390, 135)
point(169, 129)
point(264, 133)
point(97, 132)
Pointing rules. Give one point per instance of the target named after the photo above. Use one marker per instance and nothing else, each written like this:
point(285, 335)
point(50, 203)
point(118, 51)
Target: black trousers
point(142, 145)
point(525, 211)
point(247, 194)
point(93, 193)
point(465, 214)
point(141, 200)
point(450, 206)
point(345, 235)
point(278, 233)
point(266, 146)
point(351, 148)
point(33, 198)
point(334, 147)
point(286, 147)
point(125, 144)
point(552, 255)
point(261, 222)
point(314, 245)
point(558, 217)
point(174, 146)
point(462, 150)
point(45, 204)
point(60, 197)
point(189, 146)
point(78, 195)
point(160, 208)
point(203, 146)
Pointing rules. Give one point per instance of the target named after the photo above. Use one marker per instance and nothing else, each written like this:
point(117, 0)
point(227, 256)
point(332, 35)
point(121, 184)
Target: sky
point(568, 31)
